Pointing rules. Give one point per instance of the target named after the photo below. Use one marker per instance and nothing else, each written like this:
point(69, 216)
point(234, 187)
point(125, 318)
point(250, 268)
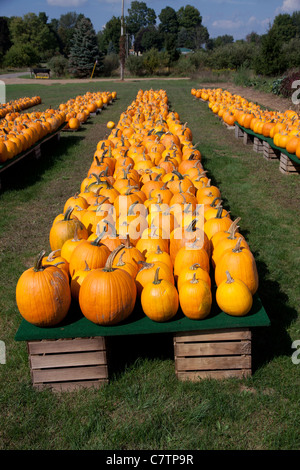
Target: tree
point(139, 16)
point(84, 49)
point(5, 42)
point(32, 30)
point(168, 21)
point(65, 30)
point(21, 55)
point(189, 17)
point(146, 39)
point(271, 60)
point(110, 34)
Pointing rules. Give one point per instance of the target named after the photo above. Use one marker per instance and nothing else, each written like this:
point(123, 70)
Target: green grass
point(144, 406)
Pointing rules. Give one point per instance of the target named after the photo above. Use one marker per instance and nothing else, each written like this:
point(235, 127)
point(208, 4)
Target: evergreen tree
point(84, 51)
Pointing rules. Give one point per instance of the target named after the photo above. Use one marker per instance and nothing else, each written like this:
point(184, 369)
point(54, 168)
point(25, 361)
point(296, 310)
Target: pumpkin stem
point(51, 256)
point(233, 228)
point(68, 213)
point(109, 262)
point(38, 263)
point(229, 280)
point(120, 261)
point(195, 266)
point(238, 248)
point(156, 278)
point(194, 280)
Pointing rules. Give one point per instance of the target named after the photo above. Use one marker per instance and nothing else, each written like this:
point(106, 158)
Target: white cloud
point(66, 3)
point(227, 24)
point(288, 6)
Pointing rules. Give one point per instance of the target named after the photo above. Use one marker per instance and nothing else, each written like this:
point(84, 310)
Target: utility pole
point(122, 44)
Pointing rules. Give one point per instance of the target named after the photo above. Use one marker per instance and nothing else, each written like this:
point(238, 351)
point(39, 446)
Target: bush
point(151, 61)
point(286, 87)
point(134, 64)
point(111, 63)
point(21, 55)
point(58, 65)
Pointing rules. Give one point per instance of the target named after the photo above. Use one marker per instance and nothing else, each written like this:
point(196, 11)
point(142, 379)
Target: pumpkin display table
point(35, 151)
point(75, 352)
point(288, 162)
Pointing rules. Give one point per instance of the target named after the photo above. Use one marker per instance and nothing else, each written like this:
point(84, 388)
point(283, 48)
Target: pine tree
point(84, 51)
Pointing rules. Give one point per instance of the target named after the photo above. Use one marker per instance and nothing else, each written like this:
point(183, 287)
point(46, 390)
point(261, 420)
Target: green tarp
point(77, 326)
point(270, 141)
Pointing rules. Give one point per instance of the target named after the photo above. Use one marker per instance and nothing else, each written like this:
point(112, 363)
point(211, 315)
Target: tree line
point(70, 43)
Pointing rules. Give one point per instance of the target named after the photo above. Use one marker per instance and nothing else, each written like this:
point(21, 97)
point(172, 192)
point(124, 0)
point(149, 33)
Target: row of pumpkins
point(146, 226)
point(282, 127)
point(25, 129)
point(20, 131)
point(78, 109)
point(20, 104)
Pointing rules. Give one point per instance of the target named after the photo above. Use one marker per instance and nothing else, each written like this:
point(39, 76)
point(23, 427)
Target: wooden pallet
point(248, 139)
point(269, 153)
point(258, 145)
point(287, 166)
point(216, 354)
point(66, 364)
point(238, 132)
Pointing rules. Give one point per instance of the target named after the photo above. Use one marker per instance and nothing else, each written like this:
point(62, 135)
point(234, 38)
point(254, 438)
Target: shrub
point(110, 64)
point(58, 65)
point(286, 88)
point(134, 64)
point(21, 55)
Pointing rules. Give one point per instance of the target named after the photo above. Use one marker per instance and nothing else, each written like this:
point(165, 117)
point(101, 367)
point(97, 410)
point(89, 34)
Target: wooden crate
point(258, 145)
point(269, 153)
point(248, 139)
point(66, 364)
point(287, 166)
point(238, 132)
point(216, 354)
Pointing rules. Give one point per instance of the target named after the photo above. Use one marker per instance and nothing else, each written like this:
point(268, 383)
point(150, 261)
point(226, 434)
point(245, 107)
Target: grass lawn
point(144, 406)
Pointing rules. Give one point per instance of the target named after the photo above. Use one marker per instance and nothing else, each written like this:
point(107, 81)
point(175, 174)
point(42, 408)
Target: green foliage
point(110, 35)
point(84, 50)
point(21, 55)
point(232, 56)
point(31, 30)
point(151, 61)
point(135, 66)
point(110, 64)
point(139, 16)
point(58, 65)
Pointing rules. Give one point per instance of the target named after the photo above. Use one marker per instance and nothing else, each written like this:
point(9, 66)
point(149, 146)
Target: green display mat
point(138, 323)
point(270, 141)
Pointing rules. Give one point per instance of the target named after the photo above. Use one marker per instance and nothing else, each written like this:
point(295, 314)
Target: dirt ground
point(268, 100)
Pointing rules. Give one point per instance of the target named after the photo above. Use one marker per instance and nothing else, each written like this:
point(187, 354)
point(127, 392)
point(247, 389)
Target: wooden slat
point(69, 386)
point(69, 374)
point(212, 363)
point(213, 335)
point(213, 374)
point(212, 349)
point(68, 360)
point(66, 345)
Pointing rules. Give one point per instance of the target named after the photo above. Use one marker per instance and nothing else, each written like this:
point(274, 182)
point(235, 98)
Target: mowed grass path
point(144, 406)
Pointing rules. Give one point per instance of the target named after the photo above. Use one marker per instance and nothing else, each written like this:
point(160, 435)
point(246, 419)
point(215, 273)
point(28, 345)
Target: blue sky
point(234, 17)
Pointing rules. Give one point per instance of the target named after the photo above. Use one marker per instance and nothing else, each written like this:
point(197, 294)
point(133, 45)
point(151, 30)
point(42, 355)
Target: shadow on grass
point(29, 170)
point(273, 341)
